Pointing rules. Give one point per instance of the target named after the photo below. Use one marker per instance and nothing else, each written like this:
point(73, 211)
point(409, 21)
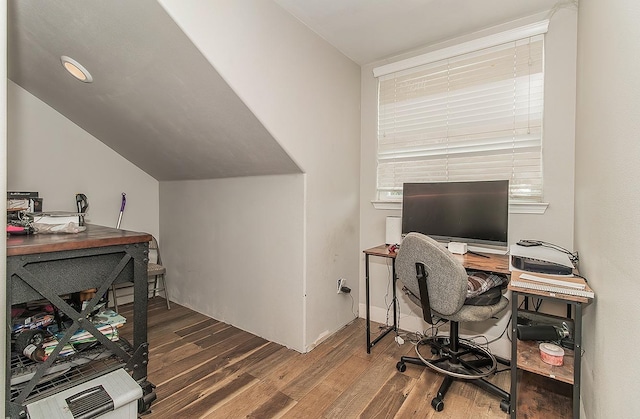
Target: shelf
point(65, 371)
point(529, 360)
point(543, 397)
point(51, 266)
point(525, 355)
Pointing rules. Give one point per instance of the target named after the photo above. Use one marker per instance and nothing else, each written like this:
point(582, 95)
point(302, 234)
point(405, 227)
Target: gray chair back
point(446, 277)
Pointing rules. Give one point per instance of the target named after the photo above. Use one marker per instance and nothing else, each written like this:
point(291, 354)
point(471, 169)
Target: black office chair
point(435, 280)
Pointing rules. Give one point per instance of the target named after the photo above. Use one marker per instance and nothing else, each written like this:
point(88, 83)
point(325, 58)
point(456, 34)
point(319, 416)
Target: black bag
point(487, 298)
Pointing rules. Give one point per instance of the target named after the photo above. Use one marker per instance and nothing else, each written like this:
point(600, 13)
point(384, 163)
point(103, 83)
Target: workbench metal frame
point(95, 263)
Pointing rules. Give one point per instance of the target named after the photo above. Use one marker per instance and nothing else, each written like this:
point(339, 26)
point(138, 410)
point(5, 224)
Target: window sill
point(514, 207)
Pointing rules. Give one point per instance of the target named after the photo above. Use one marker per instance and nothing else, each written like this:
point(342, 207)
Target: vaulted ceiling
point(155, 99)
point(158, 102)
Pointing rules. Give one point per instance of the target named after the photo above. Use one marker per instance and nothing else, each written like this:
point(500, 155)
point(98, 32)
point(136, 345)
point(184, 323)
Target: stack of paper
point(107, 322)
point(567, 285)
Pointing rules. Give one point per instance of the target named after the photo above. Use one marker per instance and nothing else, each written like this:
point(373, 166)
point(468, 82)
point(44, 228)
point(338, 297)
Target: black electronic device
point(530, 264)
point(469, 212)
point(533, 325)
point(540, 332)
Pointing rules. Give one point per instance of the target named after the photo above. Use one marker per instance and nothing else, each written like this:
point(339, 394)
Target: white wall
point(3, 186)
point(307, 95)
point(608, 203)
point(555, 226)
point(234, 251)
point(49, 154)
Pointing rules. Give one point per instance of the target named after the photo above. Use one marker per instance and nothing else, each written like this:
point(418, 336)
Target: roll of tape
point(551, 354)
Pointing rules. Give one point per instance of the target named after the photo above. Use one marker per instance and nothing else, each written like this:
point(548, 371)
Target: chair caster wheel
point(401, 366)
point(505, 406)
point(437, 404)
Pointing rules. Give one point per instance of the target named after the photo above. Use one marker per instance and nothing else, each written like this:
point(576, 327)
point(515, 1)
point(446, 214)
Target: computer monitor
point(468, 212)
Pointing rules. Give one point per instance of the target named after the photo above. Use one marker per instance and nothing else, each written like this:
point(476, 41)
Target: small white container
point(551, 354)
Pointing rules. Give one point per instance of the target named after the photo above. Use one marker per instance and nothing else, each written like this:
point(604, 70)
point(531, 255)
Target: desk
point(492, 263)
point(47, 266)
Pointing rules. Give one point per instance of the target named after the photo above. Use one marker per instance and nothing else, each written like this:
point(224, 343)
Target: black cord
point(573, 256)
point(355, 315)
point(501, 334)
point(537, 304)
point(389, 282)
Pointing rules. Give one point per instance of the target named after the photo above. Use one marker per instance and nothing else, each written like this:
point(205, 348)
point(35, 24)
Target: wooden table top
point(492, 263)
point(93, 236)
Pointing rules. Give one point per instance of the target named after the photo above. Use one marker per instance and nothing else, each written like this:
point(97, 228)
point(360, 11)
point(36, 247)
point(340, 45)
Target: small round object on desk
point(551, 354)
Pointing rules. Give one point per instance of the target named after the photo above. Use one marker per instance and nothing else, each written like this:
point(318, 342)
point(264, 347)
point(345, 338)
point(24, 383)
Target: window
point(470, 112)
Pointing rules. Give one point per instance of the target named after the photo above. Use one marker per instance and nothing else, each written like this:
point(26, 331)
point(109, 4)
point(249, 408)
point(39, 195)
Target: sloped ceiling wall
point(155, 99)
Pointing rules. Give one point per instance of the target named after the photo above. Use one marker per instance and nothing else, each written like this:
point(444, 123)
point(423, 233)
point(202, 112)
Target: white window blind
point(473, 116)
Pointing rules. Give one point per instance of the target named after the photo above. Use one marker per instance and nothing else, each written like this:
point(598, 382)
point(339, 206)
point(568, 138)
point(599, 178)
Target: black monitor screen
point(469, 212)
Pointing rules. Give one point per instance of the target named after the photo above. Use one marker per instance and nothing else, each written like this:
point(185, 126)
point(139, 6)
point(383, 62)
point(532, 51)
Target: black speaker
point(537, 332)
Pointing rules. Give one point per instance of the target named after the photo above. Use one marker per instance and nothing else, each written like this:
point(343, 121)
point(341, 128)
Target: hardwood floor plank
point(320, 397)
point(167, 359)
point(316, 372)
point(206, 403)
point(487, 405)
point(172, 319)
point(389, 399)
point(184, 394)
point(262, 400)
point(170, 343)
point(293, 371)
point(204, 363)
point(535, 400)
point(418, 401)
point(210, 331)
point(187, 330)
point(274, 407)
point(267, 366)
point(356, 398)
point(219, 337)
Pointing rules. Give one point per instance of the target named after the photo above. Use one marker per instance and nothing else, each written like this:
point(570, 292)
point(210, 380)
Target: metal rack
point(524, 354)
point(51, 266)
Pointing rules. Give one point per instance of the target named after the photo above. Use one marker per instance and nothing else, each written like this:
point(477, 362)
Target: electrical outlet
point(341, 283)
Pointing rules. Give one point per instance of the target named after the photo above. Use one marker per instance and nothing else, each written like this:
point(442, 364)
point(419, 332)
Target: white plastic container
point(111, 396)
point(551, 354)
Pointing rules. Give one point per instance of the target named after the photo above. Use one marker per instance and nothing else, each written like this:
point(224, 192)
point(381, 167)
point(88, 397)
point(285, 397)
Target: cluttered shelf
point(529, 360)
point(77, 367)
point(78, 338)
point(542, 356)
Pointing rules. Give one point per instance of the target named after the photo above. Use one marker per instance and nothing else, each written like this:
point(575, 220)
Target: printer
point(540, 259)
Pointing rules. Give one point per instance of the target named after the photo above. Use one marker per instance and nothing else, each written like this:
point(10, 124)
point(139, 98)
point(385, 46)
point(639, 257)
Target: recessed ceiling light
point(76, 69)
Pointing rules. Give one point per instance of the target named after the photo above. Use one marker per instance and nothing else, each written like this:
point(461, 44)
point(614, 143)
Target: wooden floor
point(204, 368)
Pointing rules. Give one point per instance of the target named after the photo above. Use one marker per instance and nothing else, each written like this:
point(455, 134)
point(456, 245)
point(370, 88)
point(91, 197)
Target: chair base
point(438, 401)
point(461, 360)
point(464, 360)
